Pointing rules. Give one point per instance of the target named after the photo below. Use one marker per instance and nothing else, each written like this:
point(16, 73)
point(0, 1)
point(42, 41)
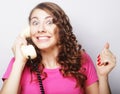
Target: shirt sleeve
point(90, 70)
point(8, 70)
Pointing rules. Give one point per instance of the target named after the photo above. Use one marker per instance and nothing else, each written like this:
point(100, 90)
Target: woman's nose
point(41, 28)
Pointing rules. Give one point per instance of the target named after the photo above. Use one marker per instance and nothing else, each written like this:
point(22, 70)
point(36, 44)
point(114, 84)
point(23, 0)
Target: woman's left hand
point(106, 61)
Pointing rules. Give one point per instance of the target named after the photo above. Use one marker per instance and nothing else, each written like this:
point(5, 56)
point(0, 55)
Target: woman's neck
point(49, 58)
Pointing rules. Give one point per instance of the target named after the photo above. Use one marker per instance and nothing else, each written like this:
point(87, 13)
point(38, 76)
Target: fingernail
point(98, 59)
point(106, 63)
point(98, 63)
point(98, 56)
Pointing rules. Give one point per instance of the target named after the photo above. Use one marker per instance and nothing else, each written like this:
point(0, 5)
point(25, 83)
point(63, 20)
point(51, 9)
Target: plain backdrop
point(94, 22)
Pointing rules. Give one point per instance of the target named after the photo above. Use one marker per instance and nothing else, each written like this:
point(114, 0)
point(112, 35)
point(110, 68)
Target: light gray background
point(95, 22)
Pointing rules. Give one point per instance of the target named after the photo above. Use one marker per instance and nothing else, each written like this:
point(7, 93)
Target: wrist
point(19, 65)
point(103, 77)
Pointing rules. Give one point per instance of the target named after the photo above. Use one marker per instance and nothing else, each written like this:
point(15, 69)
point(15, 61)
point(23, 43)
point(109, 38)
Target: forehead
point(40, 14)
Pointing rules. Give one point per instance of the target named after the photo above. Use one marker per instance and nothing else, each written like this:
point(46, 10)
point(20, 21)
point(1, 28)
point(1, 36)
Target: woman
point(61, 66)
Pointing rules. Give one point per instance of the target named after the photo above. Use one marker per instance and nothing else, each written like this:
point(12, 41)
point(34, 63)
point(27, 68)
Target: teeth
point(43, 38)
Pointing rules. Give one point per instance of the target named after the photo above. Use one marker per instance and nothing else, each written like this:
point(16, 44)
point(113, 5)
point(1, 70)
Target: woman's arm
point(104, 87)
point(101, 87)
point(11, 84)
point(105, 63)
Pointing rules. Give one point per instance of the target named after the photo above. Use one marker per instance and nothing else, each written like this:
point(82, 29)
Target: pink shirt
point(55, 83)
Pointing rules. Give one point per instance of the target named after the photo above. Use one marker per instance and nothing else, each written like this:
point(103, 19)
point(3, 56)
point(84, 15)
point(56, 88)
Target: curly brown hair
point(69, 56)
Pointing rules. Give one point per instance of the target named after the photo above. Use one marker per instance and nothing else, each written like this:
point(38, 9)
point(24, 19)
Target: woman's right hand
point(16, 48)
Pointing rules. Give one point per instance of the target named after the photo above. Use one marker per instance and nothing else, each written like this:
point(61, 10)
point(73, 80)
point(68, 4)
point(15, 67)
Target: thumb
point(106, 46)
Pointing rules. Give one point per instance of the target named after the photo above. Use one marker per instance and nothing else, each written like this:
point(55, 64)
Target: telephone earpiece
point(25, 33)
point(27, 50)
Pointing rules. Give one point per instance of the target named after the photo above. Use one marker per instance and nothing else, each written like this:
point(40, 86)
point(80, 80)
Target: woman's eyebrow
point(34, 18)
point(47, 17)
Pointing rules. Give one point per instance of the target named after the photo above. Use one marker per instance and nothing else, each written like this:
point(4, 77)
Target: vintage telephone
point(30, 53)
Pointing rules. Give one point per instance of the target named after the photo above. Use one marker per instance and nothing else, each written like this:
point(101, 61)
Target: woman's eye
point(35, 23)
point(49, 22)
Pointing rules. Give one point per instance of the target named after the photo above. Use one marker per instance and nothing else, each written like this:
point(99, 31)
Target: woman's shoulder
point(88, 68)
point(85, 56)
point(86, 60)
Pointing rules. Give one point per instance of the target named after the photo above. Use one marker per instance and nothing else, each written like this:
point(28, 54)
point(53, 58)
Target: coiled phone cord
point(40, 82)
point(39, 78)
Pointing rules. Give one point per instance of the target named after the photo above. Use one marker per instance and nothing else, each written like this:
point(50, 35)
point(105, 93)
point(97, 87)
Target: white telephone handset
point(29, 50)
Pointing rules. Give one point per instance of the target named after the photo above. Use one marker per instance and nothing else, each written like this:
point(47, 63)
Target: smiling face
point(44, 32)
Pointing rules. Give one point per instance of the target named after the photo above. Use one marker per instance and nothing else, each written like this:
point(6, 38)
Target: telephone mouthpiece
point(28, 50)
